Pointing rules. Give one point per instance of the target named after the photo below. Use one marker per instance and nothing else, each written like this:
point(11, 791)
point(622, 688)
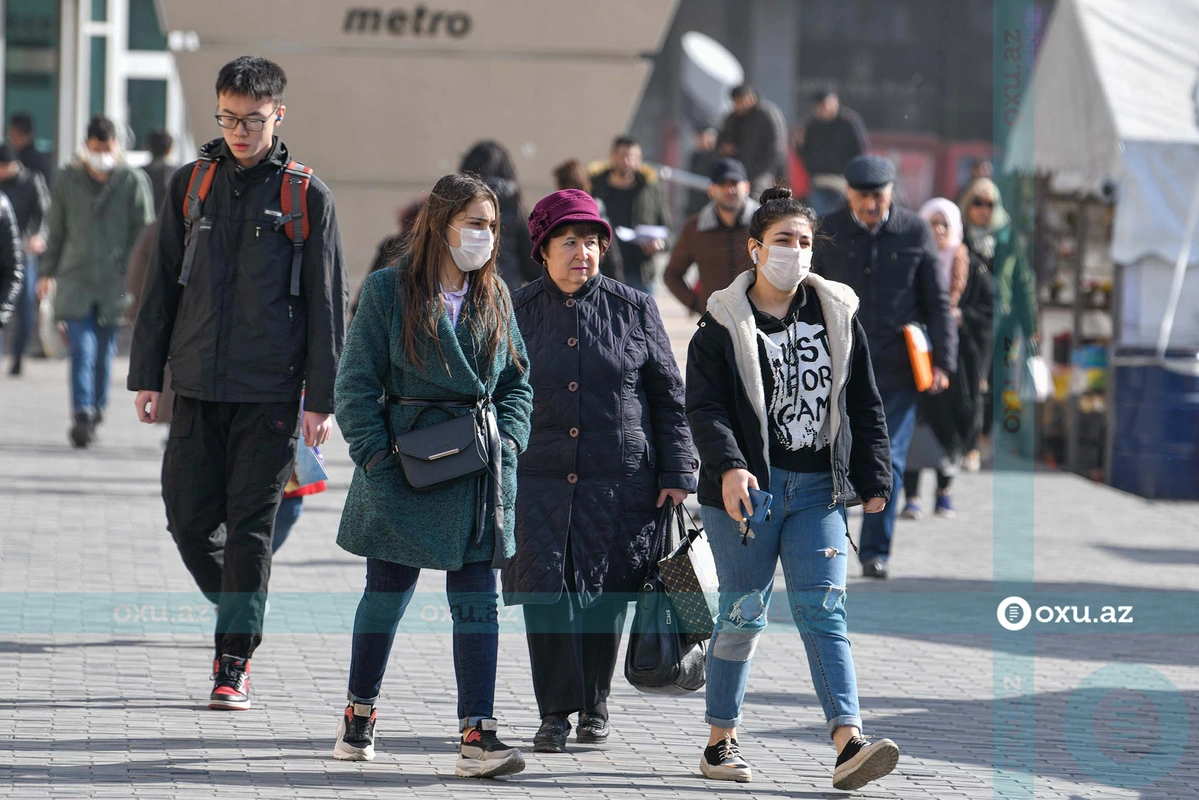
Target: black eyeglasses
point(230, 122)
point(980, 203)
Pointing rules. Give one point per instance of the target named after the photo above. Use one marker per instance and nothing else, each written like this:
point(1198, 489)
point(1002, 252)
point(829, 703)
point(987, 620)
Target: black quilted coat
point(609, 431)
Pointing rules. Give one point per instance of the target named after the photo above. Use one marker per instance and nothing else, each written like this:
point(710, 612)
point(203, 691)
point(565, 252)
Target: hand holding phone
point(761, 505)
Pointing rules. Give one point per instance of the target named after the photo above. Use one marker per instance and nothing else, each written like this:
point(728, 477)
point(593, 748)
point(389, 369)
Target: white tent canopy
point(1116, 98)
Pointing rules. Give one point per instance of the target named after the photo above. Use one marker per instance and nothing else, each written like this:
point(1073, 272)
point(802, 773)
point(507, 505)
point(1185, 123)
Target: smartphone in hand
point(761, 501)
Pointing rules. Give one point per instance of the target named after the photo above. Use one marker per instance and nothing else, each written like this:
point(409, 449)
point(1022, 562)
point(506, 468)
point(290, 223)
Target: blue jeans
point(825, 201)
point(92, 347)
point(288, 514)
point(472, 598)
point(899, 406)
point(24, 320)
point(809, 537)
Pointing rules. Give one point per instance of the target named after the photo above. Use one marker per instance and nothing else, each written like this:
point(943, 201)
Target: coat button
point(573, 386)
point(572, 478)
point(574, 433)
point(571, 342)
point(570, 303)
point(867, 270)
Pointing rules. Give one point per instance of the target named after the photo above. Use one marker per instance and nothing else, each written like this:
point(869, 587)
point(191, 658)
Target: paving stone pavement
point(103, 699)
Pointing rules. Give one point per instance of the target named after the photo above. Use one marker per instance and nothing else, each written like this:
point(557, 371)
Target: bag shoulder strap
point(293, 200)
point(198, 187)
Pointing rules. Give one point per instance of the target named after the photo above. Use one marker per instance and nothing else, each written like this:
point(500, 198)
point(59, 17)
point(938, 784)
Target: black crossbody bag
point(448, 451)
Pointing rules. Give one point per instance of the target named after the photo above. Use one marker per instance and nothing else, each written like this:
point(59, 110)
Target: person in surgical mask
point(98, 207)
point(783, 406)
point(434, 337)
point(610, 452)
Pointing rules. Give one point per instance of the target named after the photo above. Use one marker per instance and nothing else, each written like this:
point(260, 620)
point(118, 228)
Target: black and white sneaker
point(356, 733)
point(723, 762)
point(483, 755)
point(863, 761)
point(231, 690)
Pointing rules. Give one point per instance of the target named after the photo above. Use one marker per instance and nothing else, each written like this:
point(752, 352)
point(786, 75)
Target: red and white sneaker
point(231, 691)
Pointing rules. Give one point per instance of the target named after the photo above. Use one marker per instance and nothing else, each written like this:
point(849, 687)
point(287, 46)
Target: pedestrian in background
point(571, 174)
point(887, 255)
point(159, 143)
point(632, 196)
point(247, 328)
point(491, 162)
point(703, 159)
point(438, 330)
point(98, 208)
point(20, 135)
point(756, 135)
point(781, 397)
point(948, 424)
point(30, 198)
point(990, 236)
point(11, 264)
point(831, 138)
point(610, 446)
point(714, 240)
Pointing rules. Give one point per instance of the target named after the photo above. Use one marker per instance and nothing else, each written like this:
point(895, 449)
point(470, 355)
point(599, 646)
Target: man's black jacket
point(12, 261)
point(30, 198)
point(234, 333)
point(897, 279)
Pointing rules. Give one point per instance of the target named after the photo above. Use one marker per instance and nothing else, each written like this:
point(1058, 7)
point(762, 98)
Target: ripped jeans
point(809, 537)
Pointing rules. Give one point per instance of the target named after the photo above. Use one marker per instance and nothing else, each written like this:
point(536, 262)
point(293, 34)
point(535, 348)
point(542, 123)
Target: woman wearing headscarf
point(989, 235)
point(949, 423)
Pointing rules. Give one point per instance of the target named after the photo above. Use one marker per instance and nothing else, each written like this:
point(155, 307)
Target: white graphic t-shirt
point(797, 371)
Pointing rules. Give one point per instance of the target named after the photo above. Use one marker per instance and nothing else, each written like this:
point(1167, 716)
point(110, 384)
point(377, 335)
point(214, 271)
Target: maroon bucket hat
point(559, 208)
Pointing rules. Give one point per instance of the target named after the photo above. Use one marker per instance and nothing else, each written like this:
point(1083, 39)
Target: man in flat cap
point(887, 254)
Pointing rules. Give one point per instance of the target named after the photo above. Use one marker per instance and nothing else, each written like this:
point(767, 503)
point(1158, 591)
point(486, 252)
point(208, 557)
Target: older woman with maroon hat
point(609, 447)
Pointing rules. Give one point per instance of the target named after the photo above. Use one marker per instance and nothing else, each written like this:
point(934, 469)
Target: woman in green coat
point(437, 328)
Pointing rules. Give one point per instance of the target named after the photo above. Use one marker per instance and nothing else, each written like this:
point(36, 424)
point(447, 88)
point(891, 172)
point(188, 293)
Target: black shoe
point(593, 728)
point(483, 755)
point(356, 733)
point(16, 366)
point(863, 761)
point(551, 736)
point(723, 762)
point(231, 691)
point(875, 568)
point(81, 432)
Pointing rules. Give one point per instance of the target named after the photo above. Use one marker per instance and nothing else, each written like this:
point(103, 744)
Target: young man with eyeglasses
point(249, 317)
point(888, 256)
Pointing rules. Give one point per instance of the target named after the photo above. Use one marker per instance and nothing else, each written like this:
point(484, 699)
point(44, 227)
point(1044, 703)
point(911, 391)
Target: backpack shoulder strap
point(293, 200)
point(198, 187)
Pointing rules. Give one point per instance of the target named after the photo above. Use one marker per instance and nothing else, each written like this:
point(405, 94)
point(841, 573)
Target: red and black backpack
point(293, 200)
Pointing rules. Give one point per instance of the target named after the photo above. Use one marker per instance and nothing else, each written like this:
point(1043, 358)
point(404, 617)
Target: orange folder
point(920, 353)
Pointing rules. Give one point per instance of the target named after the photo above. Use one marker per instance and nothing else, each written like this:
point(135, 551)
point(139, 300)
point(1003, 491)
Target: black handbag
point(448, 451)
point(660, 658)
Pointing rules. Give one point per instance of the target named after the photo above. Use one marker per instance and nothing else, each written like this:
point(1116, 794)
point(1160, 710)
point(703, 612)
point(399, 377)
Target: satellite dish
point(708, 73)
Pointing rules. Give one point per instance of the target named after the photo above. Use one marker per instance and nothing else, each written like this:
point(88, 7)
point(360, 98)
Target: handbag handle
point(661, 539)
point(423, 409)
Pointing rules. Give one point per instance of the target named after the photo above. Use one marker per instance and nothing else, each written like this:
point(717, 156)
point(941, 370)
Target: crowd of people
point(513, 409)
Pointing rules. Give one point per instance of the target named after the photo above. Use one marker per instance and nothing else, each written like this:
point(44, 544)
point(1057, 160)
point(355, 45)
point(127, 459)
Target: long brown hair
point(420, 275)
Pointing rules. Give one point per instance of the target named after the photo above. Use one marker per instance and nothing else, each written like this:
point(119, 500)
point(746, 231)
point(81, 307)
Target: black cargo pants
point(222, 479)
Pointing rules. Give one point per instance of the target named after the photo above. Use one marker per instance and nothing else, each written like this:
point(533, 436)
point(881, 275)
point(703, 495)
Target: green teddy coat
point(384, 517)
point(93, 227)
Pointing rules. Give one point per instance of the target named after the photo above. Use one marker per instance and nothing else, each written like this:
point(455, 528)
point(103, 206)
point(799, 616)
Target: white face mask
point(475, 249)
point(101, 162)
point(785, 267)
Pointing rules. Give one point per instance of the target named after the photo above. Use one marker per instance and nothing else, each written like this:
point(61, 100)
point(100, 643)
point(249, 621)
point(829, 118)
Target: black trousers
point(573, 652)
point(222, 479)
